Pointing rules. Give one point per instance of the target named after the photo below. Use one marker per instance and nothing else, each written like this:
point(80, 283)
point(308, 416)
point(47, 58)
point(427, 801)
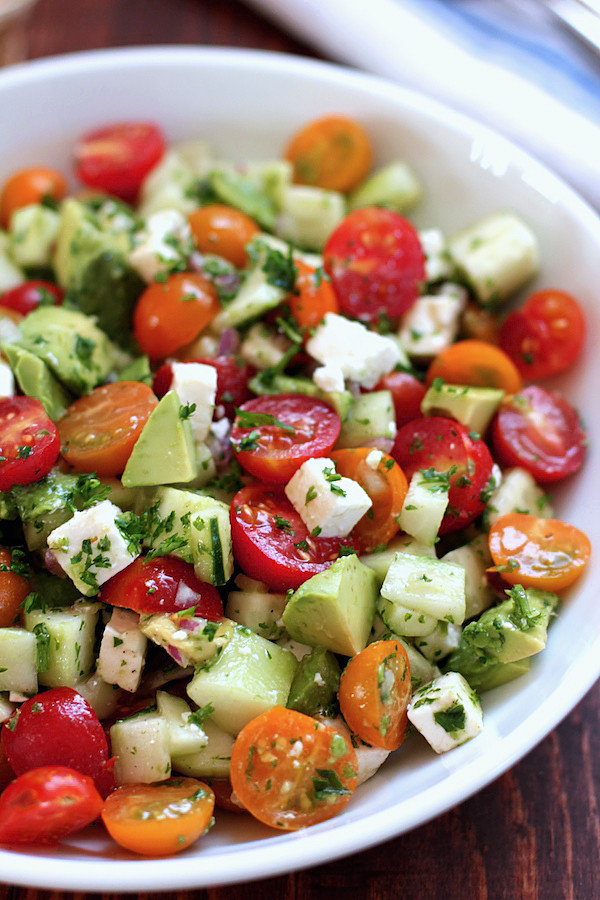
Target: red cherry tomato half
point(272, 543)
point(29, 441)
point(538, 430)
point(273, 435)
point(233, 374)
point(165, 585)
point(407, 393)
point(45, 804)
point(546, 336)
point(58, 727)
point(446, 446)
point(116, 159)
point(26, 297)
point(376, 263)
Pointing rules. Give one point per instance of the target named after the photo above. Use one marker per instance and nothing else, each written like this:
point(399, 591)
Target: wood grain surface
point(534, 834)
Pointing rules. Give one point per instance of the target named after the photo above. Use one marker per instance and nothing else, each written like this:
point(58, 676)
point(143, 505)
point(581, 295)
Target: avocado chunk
point(245, 193)
point(137, 370)
point(108, 289)
point(250, 676)
point(164, 453)
point(335, 608)
point(84, 234)
point(473, 407)
point(36, 380)
point(75, 349)
point(316, 683)
point(44, 505)
point(505, 634)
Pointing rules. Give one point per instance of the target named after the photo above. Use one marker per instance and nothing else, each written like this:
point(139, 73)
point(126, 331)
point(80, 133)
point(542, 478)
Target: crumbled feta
point(329, 504)
point(196, 386)
point(446, 712)
point(7, 381)
point(329, 378)
point(374, 458)
point(90, 547)
point(437, 260)
point(122, 650)
point(432, 324)
point(362, 355)
point(163, 244)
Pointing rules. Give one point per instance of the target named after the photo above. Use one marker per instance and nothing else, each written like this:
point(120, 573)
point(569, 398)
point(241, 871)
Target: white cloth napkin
point(507, 64)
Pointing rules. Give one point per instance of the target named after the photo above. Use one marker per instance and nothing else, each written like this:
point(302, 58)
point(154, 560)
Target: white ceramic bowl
point(247, 103)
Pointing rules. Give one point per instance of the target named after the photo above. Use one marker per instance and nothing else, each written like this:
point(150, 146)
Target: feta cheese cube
point(432, 323)
point(328, 504)
point(329, 378)
point(164, 243)
point(90, 547)
point(362, 355)
point(122, 650)
point(196, 384)
point(373, 459)
point(437, 260)
point(446, 712)
point(7, 381)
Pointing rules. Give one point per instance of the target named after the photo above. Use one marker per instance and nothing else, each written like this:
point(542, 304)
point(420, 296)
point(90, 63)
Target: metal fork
point(582, 17)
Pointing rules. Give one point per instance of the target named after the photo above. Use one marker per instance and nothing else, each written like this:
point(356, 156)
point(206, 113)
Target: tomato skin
point(98, 431)
point(407, 393)
point(29, 441)
point(278, 762)
point(312, 298)
point(45, 804)
point(540, 431)
point(269, 553)
point(376, 263)
point(159, 819)
point(26, 297)
point(475, 363)
point(333, 153)
point(117, 158)
point(373, 704)
point(275, 454)
point(440, 443)
point(224, 231)
point(170, 315)
point(549, 554)
point(152, 586)
point(546, 335)
point(58, 727)
point(29, 186)
point(233, 374)
point(13, 590)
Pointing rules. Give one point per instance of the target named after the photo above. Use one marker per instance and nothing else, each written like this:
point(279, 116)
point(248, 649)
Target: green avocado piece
point(70, 343)
point(81, 238)
point(335, 608)
point(165, 452)
point(473, 407)
point(8, 507)
point(245, 193)
point(36, 380)
point(137, 370)
point(42, 506)
point(316, 683)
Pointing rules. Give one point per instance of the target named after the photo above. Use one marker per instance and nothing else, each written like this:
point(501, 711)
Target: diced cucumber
point(18, 661)
point(43, 506)
point(102, 697)
point(33, 230)
point(71, 634)
point(381, 560)
point(255, 297)
point(6, 708)
point(263, 347)
point(421, 670)
point(424, 507)
point(308, 215)
point(258, 610)
point(444, 638)
point(475, 559)
point(250, 676)
point(371, 416)
point(184, 736)
point(280, 383)
point(517, 492)
point(211, 760)
point(245, 192)
point(395, 186)
point(140, 744)
point(405, 621)
point(427, 586)
point(10, 274)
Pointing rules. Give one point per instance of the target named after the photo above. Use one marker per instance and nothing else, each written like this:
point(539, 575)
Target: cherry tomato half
point(28, 296)
point(446, 446)
point(13, 589)
point(30, 186)
point(97, 432)
point(291, 771)
point(166, 585)
point(333, 153)
point(273, 435)
point(543, 553)
point(29, 441)
point(475, 363)
point(376, 263)
point(374, 694)
point(159, 819)
point(224, 231)
point(117, 158)
point(45, 804)
point(538, 430)
point(58, 727)
point(546, 335)
point(313, 296)
point(272, 543)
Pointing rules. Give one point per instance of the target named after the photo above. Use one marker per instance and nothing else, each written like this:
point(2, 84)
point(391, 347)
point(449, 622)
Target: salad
point(273, 480)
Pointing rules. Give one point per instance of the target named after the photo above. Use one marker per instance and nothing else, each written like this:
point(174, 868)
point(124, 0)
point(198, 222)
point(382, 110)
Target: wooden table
point(535, 832)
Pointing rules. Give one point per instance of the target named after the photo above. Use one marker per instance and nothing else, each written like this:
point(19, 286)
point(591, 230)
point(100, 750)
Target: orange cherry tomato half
point(476, 363)
point(97, 432)
point(386, 485)
point(313, 296)
point(291, 771)
point(159, 819)
point(13, 589)
point(374, 694)
point(30, 186)
point(333, 153)
point(542, 553)
point(224, 231)
point(170, 315)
